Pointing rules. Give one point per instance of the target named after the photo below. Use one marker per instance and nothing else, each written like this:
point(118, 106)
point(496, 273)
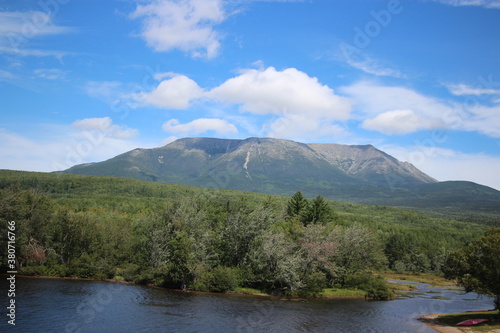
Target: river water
point(52, 305)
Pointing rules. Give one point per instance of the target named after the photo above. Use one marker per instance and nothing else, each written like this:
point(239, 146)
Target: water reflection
point(84, 306)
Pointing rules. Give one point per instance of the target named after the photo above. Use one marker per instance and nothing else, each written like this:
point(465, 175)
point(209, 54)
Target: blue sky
point(85, 80)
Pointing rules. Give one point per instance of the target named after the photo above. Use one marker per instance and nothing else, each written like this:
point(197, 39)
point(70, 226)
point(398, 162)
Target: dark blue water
point(46, 305)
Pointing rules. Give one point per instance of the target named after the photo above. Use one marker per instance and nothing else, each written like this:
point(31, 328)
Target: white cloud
point(114, 93)
point(374, 98)
point(464, 90)
point(102, 90)
point(297, 103)
point(302, 107)
point(303, 128)
point(174, 93)
point(399, 110)
point(355, 58)
point(372, 67)
point(105, 127)
point(5, 75)
point(187, 25)
point(484, 120)
point(62, 146)
point(34, 52)
point(198, 126)
point(28, 24)
point(400, 122)
point(161, 76)
point(20, 153)
point(282, 93)
point(478, 3)
point(51, 73)
point(18, 28)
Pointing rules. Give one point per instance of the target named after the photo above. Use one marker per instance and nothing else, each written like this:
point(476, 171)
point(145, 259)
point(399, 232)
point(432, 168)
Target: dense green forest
point(184, 237)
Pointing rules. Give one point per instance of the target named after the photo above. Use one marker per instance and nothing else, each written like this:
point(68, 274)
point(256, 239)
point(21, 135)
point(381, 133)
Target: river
point(54, 305)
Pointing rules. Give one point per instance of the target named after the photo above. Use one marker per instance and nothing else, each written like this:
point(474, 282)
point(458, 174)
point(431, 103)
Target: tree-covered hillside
point(205, 239)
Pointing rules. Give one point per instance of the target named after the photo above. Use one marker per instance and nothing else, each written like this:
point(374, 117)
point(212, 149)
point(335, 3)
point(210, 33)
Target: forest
point(189, 238)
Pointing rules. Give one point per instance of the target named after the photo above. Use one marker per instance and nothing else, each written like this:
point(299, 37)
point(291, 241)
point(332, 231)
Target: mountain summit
point(360, 173)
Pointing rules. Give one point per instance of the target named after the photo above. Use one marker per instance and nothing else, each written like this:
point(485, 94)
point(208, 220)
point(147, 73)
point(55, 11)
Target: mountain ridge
point(358, 173)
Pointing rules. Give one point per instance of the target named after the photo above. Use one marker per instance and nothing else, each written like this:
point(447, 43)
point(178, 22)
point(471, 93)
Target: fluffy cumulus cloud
point(288, 103)
point(198, 126)
point(186, 25)
point(284, 92)
point(174, 93)
point(299, 105)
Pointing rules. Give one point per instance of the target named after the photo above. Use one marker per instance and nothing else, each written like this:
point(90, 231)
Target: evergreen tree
point(296, 204)
point(317, 211)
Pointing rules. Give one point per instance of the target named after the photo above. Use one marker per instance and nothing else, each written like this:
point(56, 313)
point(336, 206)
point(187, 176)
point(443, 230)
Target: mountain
point(361, 173)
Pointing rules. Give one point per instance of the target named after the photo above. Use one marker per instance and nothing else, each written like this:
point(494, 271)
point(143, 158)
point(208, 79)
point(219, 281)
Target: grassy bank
point(430, 279)
point(342, 293)
point(326, 293)
point(454, 318)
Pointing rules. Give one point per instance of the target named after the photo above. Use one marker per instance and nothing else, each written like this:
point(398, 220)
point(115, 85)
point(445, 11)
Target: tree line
point(212, 241)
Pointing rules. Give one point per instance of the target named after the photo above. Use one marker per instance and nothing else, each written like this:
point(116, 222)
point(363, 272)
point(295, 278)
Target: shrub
point(375, 287)
point(38, 270)
point(83, 267)
point(315, 283)
point(378, 289)
point(225, 279)
point(218, 279)
point(204, 279)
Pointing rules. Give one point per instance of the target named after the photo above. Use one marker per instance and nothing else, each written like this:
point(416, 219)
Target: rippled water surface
point(49, 305)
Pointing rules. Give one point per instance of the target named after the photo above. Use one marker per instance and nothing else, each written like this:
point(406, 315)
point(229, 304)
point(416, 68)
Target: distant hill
point(361, 174)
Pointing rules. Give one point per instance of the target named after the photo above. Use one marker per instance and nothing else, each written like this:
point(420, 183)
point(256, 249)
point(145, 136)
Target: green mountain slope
point(361, 174)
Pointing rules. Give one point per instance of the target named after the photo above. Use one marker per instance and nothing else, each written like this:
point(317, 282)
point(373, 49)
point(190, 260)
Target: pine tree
point(296, 204)
point(317, 211)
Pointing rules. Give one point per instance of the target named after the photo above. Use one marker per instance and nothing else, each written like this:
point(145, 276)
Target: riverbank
point(430, 279)
point(114, 308)
point(328, 293)
point(433, 322)
point(446, 322)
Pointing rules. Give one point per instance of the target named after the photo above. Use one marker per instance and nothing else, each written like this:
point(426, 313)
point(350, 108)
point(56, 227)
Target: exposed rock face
point(267, 165)
point(369, 163)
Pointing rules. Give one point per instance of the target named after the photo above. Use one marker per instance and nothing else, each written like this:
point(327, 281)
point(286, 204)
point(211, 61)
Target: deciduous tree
point(476, 267)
